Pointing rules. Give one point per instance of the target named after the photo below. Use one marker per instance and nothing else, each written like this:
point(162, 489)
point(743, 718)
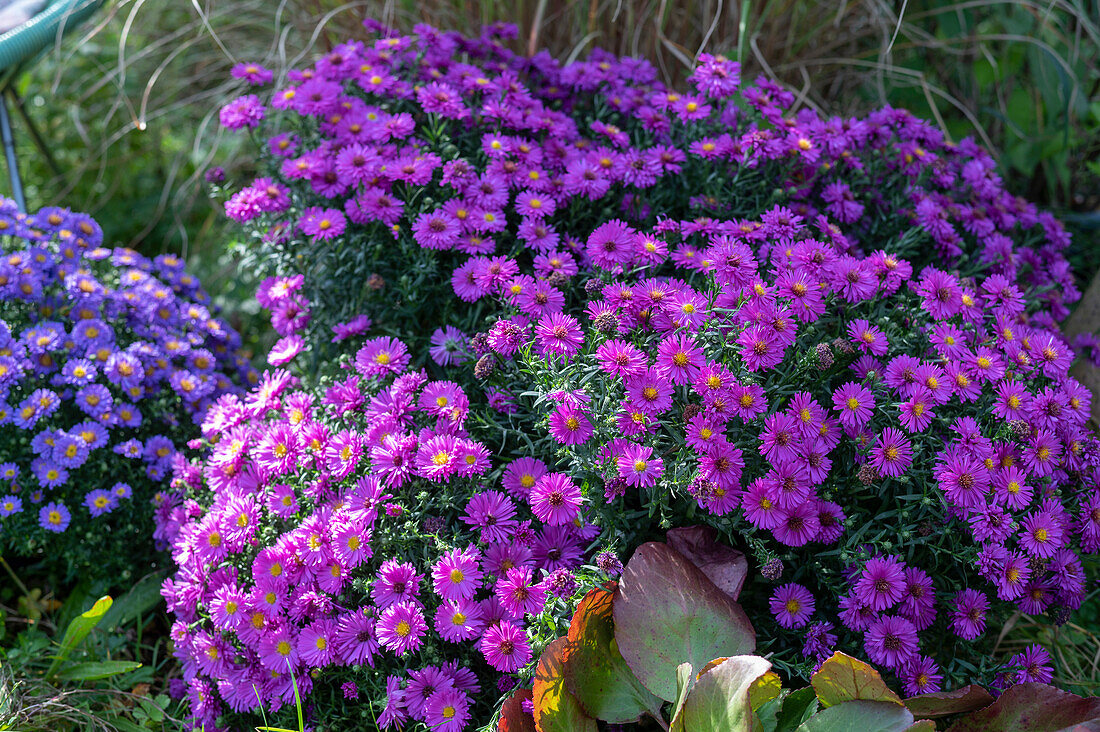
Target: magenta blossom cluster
point(286, 547)
point(106, 360)
point(674, 305)
point(798, 391)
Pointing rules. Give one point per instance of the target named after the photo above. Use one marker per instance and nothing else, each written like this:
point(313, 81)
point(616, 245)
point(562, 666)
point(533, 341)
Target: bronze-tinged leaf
point(720, 701)
point(723, 565)
point(1035, 708)
point(924, 725)
point(942, 703)
point(512, 716)
point(843, 678)
point(556, 710)
point(667, 612)
point(595, 672)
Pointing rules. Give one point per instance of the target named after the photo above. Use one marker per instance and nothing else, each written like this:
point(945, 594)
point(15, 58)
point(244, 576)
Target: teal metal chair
point(20, 48)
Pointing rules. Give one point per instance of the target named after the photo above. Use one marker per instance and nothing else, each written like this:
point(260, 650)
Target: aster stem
point(14, 576)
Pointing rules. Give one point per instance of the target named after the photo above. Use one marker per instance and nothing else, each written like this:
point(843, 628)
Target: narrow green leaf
point(93, 670)
point(77, 631)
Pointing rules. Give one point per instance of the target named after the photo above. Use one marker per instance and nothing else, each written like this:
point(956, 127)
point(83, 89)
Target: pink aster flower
point(456, 575)
point(569, 425)
point(638, 467)
point(881, 584)
point(380, 357)
point(558, 334)
point(891, 641)
point(505, 647)
point(519, 593)
point(321, 224)
point(401, 627)
point(555, 499)
point(285, 350)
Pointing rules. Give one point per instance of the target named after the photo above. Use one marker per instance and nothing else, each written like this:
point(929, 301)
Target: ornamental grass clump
point(107, 361)
point(595, 308)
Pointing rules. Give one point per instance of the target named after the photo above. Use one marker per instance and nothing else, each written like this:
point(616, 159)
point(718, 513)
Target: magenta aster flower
point(555, 499)
point(285, 350)
point(892, 453)
point(447, 710)
point(505, 647)
point(921, 675)
point(881, 584)
point(380, 357)
point(456, 575)
point(855, 404)
point(569, 426)
point(792, 605)
point(891, 641)
point(797, 526)
point(638, 466)
point(1041, 535)
point(649, 392)
point(401, 627)
point(519, 593)
point(558, 334)
point(321, 224)
point(460, 620)
point(493, 513)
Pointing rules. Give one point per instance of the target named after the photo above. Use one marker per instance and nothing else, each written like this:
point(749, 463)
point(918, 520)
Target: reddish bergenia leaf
point(556, 709)
point(843, 678)
point(667, 612)
point(595, 671)
point(723, 565)
point(1032, 707)
point(942, 703)
point(512, 716)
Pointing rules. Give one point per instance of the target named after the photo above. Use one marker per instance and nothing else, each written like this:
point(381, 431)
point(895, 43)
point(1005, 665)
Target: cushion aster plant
point(362, 544)
point(107, 360)
point(722, 307)
point(904, 450)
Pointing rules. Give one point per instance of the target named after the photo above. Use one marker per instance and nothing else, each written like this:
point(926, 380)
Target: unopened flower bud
point(375, 282)
point(485, 366)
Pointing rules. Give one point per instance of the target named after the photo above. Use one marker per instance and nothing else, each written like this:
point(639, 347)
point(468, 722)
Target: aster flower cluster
point(834, 340)
point(942, 445)
point(356, 538)
point(107, 360)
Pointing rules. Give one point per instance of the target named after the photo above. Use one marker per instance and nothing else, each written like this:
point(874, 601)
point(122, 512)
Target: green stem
point(14, 576)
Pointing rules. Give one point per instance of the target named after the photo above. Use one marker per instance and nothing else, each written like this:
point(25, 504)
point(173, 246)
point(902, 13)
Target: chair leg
point(9, 153)
point(35, 134)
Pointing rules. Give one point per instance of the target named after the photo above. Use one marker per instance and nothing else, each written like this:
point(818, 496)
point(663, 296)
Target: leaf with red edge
point(512, 716)
point(723, 565)
point(843, 678)
point(942, 703)
point(924, 725)
point(1035, 708)
point(595, 671)
point(720, 700)
point(667, 612)
point(556, 710)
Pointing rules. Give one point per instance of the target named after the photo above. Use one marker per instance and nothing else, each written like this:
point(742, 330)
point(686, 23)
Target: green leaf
point(556, 709)
point(93, 670)
point(865, 716)
point(1032, 707)
point(843, 678)
point(125, 725)
point(595, 671)
point(667, 612)
point(142, 598)
point(942, 703)
point(720, 700)
point(77, 631)
point(797, 708)
point(685, 682)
